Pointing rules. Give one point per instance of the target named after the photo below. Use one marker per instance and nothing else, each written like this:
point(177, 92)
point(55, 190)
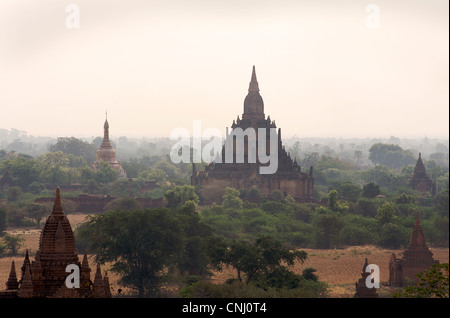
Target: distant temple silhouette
point(107, 153)
point(420, 180)
point(45, 276)
point(288, 178)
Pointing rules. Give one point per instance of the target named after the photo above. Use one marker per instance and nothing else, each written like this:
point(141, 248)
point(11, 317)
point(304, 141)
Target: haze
point(159, 65)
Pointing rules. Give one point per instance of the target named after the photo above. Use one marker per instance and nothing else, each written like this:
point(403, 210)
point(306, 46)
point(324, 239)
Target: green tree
point(263, 257)
point(330, 226)
point(387, 213)
point(334, 204)
point(91, 187)
point(371, 190)
point(171, 170)
point(140, 244)
point(13, 243)
point(433, 283)
point(53, 166)
point(14, 193)
point(3, 221)
point(155, 174)
point(194, 259)
point(441, 203)
point(254, 195)
point(176, 198)
point(105, 173)
point(231, 199)
point(277, 196)
point(332, 199)
point(308, 273)
point(391, 156)
point(22, 170)
point(349, 191)
point(36, 187)
point(37, 212)
point(76, 147)
point(392, 236)
point(367, 207)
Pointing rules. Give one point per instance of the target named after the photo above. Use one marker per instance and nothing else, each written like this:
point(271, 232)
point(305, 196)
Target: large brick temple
point(288, 178)
point(416, 258)
point(45, 277)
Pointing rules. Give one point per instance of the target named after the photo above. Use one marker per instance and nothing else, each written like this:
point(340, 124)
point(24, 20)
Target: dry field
point(340, 268)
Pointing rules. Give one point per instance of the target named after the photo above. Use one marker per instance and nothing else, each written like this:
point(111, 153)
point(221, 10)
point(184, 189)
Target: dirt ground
point(340, 268)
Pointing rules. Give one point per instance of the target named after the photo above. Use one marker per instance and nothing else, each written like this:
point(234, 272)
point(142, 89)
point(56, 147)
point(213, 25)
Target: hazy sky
point(159, 65)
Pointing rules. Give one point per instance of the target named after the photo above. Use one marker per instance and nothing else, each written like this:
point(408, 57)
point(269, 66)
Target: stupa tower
point(107, 153)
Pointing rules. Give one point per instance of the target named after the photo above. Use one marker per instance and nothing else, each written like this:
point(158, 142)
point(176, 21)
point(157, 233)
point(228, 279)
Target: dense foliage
point(361, 197)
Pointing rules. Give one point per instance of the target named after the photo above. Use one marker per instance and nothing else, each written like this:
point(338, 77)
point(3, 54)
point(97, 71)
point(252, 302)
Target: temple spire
point(12, 282)
point(106, 131)
point(253, 87)
point(417, 236)
point(57, 206)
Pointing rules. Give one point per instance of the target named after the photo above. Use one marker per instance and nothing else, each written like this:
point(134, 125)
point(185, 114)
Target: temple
point(420, 180)
point(362, 291)
point(416, 258)
point(107, 153)
point(288, 178)
point(45, 277)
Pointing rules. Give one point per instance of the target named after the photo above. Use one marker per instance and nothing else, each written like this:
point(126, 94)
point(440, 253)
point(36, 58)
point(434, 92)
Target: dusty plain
point(340, 268)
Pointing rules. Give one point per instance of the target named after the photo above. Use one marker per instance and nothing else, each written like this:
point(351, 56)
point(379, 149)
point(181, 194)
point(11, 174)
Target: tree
point(52, 166)
point(371, 190)
point(330, 225)
point(231, 199)
point(36, 187)
point(387, 213)
point(14, 193)
point(333, 203)
point(175, 198)
point(332, 199)
point(37, 212)
point(433, 283)
point(442, 202)
point(349, 191)
point(277, 196)
point(308, 273)
point(140, 244)
point(389, 155)
point(91, 187)
point(392, 236)
point(254, 195)
point(105, 173)
point(193, 260)
point(22, 170)
point(3, 221)
point(169, 168)
point(265, 256)
point(367, 207)
point(155, 174)
point(76, 147)
point(13, 243)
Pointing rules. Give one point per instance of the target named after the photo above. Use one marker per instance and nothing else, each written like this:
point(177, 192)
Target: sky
point(326, 68)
